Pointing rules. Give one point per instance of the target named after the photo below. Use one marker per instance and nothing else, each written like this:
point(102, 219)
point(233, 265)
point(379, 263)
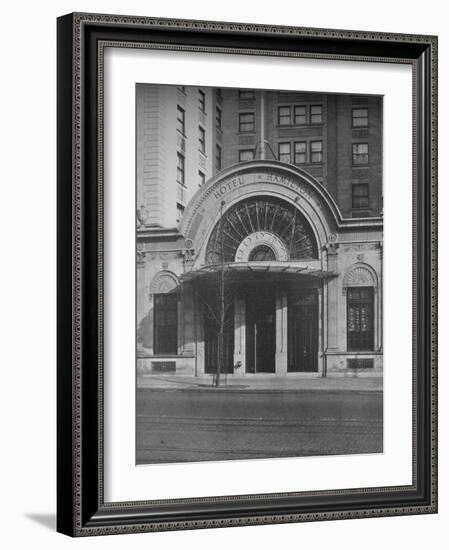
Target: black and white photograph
point(259, 238)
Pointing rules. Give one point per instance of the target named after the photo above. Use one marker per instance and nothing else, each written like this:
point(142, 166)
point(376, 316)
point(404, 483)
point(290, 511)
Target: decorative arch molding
point(266, 179)
point(164, 282)
point(360, 274)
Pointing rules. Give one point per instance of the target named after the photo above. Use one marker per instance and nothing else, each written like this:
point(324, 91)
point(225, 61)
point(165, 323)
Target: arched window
point(259, 215)
point(359, 285)
point(164, 289)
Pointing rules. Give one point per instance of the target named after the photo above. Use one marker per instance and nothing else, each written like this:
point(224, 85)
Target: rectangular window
point(219, 94)
point(316, 151)
point(316, 114)
point(165, 324)
point(218, 157)
point(218, 118)
point(360, 195)
point(246, 122)
point(300, 152)
point(300, 114)
point(359, 118)
point(246, 94)
point(181, 194)
point(284, 152)
point(201, 139)
point(246, 155)
point(360, 153)
point(181, 120)
point(201, 178)
point(360, 319)
point(180, 172)
point(284, 116)
point(202, 100)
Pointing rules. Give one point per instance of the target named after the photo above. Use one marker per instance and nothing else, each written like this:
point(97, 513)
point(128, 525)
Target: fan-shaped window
point(259, 214)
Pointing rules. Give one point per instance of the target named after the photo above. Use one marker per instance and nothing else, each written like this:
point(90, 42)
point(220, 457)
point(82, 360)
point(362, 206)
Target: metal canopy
point(241, 271)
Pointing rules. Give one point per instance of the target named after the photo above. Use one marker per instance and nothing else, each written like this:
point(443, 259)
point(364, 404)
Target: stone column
point(281, 358)
point(239, 335)
point(333, 326)
point(188, 326)
point(319, 292)
point(199, 333)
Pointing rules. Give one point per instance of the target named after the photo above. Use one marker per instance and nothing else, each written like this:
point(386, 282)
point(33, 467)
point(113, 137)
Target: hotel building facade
point(277, 197)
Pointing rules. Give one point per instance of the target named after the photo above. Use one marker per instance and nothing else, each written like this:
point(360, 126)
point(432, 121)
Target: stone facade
point(288, 311)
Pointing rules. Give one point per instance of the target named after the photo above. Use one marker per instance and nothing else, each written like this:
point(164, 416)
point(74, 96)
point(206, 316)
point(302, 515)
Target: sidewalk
point(261, 383)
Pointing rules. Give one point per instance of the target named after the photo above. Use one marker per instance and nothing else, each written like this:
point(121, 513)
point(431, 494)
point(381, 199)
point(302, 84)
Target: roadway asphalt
point(190, 425)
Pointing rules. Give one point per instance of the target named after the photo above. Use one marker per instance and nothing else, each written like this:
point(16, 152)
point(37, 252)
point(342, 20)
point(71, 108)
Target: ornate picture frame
point(81, 507)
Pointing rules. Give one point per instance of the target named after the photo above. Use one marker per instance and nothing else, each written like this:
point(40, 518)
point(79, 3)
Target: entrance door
point(303, 332)
point(260, 331)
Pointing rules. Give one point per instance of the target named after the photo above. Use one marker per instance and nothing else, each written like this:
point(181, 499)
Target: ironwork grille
point(165, 324)
point(360, 318)
point(261, 214)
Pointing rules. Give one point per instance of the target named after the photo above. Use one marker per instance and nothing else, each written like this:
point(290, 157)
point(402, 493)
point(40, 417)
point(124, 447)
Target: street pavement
point(197, 424)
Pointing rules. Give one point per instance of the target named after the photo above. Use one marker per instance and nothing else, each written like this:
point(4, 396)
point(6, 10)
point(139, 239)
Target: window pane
point(300, 114)
point(283, 115)
point(246, 122)
point(165, 324)
point(284, 152)
point(202, 100)
point(360, 153)
point(218, 118)
point(246, 155)
point(300, 152)
point(359, 117)
point(201, 178)
point(180, 168)
point(316, 151)
point(181, 120)
point(202, 139)
point(316, 114)
point(360, 318)
point(360, 195)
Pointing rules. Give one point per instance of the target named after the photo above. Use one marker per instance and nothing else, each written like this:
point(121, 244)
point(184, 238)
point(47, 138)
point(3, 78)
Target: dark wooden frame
point(81, 509)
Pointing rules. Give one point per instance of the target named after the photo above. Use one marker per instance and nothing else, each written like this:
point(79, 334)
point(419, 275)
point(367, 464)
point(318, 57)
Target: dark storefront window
point(360, 319)
point(165, 324)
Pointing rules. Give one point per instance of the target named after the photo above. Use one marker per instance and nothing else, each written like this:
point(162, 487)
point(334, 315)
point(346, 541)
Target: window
point(316, 151)
point(165, 324)
point(284, 150)
point(181, 193)
point(246, 155)
point(201, 178)
point(218, 118)
point(246, 94)
point(219, 94)
point(218, 157)
point(181, 120)
point(360, 195)
point(360, 319)
point(316, 114)
point(300, 152)
point(360, 153)
point(182, 89)
point(201, 139)
point(300, 114)
point(202, 100)
point(246, 122)
point(180, 172)
point(359, 118)
point(284, 118)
